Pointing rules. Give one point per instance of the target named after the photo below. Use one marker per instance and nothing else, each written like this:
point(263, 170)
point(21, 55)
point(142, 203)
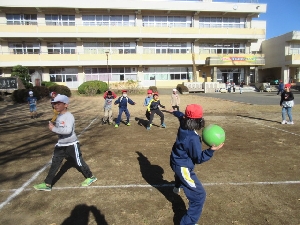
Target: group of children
point(151, 101)
point(186, 151)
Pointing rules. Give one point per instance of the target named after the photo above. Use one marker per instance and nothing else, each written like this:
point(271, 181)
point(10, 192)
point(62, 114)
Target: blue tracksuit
point(122, 101)
point(186, 152)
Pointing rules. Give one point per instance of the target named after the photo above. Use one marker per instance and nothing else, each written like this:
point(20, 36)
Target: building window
point(63, 74)
point(60, 20)
point(61, 48)
point(113, 47)
point(167, 21)
point(108, 20)
point(113, 74)
point(167, 73)
point(222, 48)
point(24, 48)
point(167, 47)
point(294, 49)
point(222, 22)
point(21, 19)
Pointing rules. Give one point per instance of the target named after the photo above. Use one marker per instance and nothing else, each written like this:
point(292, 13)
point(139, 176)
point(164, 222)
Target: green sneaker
point(117, 125)
point(128, 124)
point(88, 181)
point(42, 187)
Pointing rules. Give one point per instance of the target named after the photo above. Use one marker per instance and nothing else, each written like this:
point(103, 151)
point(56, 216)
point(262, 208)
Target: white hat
point(61, 98)
point(30, 93)
point(174, 89)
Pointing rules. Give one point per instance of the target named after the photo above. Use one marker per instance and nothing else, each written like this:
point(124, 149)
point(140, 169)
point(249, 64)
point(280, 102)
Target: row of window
point(128, 48)
point(126, 20)
point(222, 48)
point(120, 74)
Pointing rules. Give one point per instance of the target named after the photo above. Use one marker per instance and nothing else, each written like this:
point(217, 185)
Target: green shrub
point(48, 83)
point(153, 88)
point(40, 92)
point(181, 88)
point(92, 87)
point(60, 89)
point(20, 95)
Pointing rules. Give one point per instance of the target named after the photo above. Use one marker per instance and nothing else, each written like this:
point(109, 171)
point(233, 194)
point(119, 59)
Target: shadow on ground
point(80, 216)
point(153, 174)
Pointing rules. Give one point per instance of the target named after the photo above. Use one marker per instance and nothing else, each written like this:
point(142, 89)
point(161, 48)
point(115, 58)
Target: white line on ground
point(275, 128)
point(22, 188)
point(170, 185)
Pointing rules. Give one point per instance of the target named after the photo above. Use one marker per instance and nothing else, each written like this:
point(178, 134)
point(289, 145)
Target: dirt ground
point(252, 180)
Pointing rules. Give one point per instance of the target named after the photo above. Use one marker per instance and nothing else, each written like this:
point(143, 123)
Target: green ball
point(213, 135)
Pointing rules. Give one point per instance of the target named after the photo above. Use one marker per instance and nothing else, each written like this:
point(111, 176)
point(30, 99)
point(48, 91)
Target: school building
point(282, 55)
point(156, 42)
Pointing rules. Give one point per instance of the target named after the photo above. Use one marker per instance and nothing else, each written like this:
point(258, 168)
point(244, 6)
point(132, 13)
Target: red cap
point(124, 91)
point(155, 93)
point(194, 111)
point(149, 92)
point(287, 85)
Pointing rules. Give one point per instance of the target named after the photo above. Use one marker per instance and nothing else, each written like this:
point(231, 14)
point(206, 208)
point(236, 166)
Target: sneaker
point(283, 122)
point(88, 181)
point(290, 122)
point(151, 125)
point(176, 190)
point(117, 125)
point(163, 125)
point(109, 123)
point(148, 128)
point(42, 187)
point(128, 124)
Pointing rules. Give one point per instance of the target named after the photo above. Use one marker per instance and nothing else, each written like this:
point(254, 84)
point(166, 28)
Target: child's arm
point(117, 101)
point(67, 126)
point(178, 114)
point(131, 102)
point(198, 156)
point(161, 105)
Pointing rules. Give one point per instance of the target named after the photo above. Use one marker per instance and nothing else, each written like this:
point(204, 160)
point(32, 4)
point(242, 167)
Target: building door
point(224, 77)
point(236, 78)
point(37, 82)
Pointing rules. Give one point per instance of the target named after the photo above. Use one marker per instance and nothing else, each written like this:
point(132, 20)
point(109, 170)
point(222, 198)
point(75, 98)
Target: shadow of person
point(258, 118)
point(80, 216)
point(153, 174)
point(141, 122)
point(69, 163)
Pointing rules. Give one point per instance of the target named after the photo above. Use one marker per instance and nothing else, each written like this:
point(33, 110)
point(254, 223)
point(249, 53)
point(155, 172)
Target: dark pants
point(121, 110)
point(186, 178)
point(158, 112)
point(61, 152)
point(175, 107)
point(279, 91)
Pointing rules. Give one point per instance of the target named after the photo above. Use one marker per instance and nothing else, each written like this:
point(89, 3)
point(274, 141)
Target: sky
point(282, 16)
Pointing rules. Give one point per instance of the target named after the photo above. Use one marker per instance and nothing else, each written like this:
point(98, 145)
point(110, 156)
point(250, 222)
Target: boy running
point(67, 145)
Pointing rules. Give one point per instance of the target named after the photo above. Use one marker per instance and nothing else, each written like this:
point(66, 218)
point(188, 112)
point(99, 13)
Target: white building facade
point(282, 58)
point(159, 43)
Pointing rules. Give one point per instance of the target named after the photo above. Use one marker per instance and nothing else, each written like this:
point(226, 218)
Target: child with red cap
point(287, 103)
point(186, 152)
point(122, 101)
point(153, 108)
point(147, 101)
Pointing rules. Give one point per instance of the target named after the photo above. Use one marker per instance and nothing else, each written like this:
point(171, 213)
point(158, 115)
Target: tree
point(23, 73)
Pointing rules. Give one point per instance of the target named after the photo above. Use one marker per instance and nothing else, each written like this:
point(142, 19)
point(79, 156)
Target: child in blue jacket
point(186, 152)
point(122, 101)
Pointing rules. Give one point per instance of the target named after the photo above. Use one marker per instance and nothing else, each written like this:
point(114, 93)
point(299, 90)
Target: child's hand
point(216, 148)
point(50, 125)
